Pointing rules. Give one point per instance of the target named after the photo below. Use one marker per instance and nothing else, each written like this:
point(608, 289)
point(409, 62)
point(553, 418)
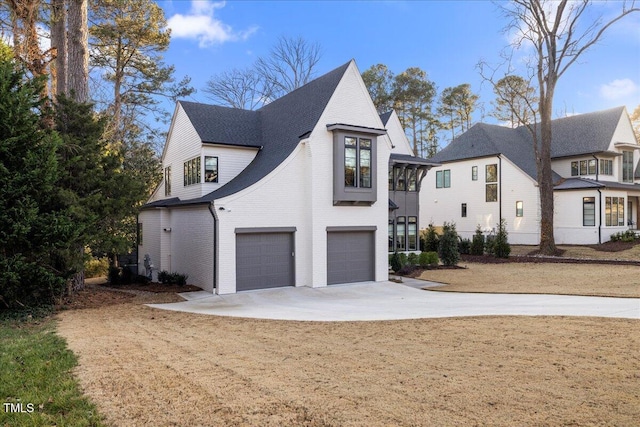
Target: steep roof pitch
point(277, 128)
point(572, 136)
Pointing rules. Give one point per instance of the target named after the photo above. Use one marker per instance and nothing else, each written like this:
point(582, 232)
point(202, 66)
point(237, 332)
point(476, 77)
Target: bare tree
point(559, 33)
point(290, 64)
point(515, 101)
point(237, 89)
point(77, 44)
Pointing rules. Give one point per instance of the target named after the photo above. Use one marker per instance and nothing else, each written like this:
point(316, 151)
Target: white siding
point(396, 135)
point(438, 205)
point(299, 193)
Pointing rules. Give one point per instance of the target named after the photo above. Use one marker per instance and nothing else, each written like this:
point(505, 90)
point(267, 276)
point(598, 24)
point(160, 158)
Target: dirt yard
point(148, 367)
point(540, 278)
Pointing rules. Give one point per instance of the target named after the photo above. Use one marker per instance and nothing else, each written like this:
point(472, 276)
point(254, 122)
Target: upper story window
point(474, 173)
point(491, 178)
point(399, 178)
point(627, 166)
point(443, 178)
point(354, 164)
point(357, 162)
point(210, 169)
point(167, 181)
point(192, 171)
point(586, 167)
point(606, 167)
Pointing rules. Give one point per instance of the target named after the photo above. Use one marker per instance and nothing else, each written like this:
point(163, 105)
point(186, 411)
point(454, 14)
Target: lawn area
point(540, 278)
point(149, 367)
point(37, 387)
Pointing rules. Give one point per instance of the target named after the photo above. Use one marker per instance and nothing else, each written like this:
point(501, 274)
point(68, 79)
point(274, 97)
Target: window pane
point(198, 171)
point(463, 210)
point(186, 174)
point(592, 167)
point(390, 179)
point(439, 179)
point(627, 166)
point(474, 173)
point(607, 211)
point(350, 167)
point(621, 211)
point(574, 169)
point(614, 211)
point(492, 193)
point(589, 211)
point(400, 234)
point(400, 183)
point(583, 167)
point(519, 209)
point(365, 167)
point(211, 169)
point(350, 142)
point(412, 233)
point(447, 178)
point(365, 144)
point(492, 173)
point(411, 179)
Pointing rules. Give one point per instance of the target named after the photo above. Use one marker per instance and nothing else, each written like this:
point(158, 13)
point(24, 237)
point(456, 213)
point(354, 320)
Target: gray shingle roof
point(277, 127)
point(572, 136)
point(409, 159)
point(385, 117)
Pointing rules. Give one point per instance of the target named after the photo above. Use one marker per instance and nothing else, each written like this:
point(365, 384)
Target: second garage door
point(264, 260)
point(350, 256)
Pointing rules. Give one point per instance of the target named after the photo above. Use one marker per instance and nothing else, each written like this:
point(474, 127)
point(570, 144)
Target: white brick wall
point(151, 223)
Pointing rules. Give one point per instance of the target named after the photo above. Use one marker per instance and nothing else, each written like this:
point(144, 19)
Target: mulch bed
point(487, 259)
point(154, 287)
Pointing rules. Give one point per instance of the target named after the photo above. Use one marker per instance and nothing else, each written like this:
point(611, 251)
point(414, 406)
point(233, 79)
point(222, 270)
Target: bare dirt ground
point(540, 278)
point(148, 367)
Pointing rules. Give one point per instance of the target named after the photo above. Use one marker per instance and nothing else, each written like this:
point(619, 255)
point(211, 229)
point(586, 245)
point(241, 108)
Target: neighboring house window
point(583, 167)
point(519, 209)
point(391, 188)
point(606, 167)
point(474, 173)
point(192, 171)
point(627, 166)
point(400, 234)
point(412, 233)
point(443, 179)
point(592, 166)
point(140, 234)
point(357, 162)
point(491, 176)
point(399, 176)
point(167, 181)
point(588, 211)
point(391, 235)
point(614, 211)
point(463, 210)
point(210, 169)
point(575, 171)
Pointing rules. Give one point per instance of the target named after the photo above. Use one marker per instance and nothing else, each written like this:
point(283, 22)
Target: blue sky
point(445, 38)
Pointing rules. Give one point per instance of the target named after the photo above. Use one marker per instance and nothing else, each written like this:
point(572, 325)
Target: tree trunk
point(545, 177)
point(78, 58)
point(59, 43)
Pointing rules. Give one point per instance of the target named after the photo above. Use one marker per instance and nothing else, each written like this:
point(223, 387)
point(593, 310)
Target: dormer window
point(192, 171)
point(357, 162)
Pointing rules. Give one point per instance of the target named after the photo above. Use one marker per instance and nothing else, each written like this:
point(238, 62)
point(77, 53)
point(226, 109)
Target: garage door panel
point(264, 260)
point(350, 256)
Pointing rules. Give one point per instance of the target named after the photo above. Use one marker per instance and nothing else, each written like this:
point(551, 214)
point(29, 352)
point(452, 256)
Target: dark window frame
point(463, 210)
point(215, 173)
point(401, 240)
point(412, 231)
point(443, 178)
point(588, 211)
point(167, 181)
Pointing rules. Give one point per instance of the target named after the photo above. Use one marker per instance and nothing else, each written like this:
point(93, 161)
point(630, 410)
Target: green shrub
point(164, 277)
point(477, 242)
point(501, 246)
point(173, 278)
point(488, 244)
point(412, 259)
point(407, 270)
point(431, 239)
point(428, 259)
point(96, 267)
point(180, 279)
point(464, 246)
point(394, 262)
point(448, 246)
point(624, 236)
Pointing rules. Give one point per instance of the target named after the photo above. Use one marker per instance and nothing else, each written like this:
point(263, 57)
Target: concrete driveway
point(392, 301)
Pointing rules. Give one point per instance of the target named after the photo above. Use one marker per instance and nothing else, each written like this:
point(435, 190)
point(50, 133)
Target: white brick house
point(489, 173)
point(293, 194)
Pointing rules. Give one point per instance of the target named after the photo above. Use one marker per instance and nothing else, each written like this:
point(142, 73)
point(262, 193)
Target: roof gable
point(572, 136)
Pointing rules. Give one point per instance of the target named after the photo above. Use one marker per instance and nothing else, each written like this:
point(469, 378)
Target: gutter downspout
point(212, 210)
point(499, 189)
point(599, 216)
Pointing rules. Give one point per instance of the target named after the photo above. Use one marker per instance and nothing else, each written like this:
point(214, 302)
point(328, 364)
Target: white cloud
point(618, 89)
point(201, 24)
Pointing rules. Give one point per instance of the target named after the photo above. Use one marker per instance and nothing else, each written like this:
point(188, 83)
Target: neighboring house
point(489, 172)
point(293, 194)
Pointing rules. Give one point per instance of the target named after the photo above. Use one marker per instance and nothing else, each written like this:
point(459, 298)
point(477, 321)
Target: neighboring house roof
point(572, 136)
point(586, 183)
point(409, 159)
point(385, 117)
point(277, 128)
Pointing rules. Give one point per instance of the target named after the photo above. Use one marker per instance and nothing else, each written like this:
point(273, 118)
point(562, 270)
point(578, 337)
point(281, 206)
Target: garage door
point(350, 256)
point(264, 260)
